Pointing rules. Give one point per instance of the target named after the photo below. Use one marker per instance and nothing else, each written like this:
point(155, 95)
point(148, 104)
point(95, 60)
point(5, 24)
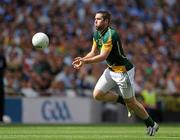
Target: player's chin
point(97, 27)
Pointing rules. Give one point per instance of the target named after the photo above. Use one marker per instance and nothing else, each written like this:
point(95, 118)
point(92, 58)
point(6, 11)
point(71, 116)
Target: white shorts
point(122, 83)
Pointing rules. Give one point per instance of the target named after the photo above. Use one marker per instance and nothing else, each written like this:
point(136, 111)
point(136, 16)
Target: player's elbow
point(103, 57)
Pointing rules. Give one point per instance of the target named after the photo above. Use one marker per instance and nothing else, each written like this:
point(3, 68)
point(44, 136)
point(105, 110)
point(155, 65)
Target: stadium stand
point(149, 31)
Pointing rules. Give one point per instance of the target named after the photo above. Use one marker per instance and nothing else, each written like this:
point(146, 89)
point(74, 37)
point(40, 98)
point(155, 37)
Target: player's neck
point(104, 30)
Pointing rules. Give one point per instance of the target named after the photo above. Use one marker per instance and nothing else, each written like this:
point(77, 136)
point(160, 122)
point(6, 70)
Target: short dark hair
point(105, 15)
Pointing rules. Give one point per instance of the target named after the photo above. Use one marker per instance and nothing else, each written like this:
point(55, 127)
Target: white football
point(40, 40)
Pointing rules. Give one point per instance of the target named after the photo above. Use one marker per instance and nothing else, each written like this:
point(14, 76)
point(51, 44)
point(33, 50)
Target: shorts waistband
point(118, 68)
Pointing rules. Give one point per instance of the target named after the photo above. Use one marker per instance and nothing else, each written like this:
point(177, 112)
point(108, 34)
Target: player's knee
point(97, 95)
point(131, 103)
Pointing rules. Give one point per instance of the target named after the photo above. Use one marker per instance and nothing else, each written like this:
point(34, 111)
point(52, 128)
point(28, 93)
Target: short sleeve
point(94, 43)
point(107, 45)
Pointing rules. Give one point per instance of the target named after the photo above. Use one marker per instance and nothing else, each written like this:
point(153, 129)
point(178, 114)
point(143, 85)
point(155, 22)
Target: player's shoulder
point(109, 33)
point(113, 31)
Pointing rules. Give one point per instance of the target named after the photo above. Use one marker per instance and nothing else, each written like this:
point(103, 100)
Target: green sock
point(120, 100)
point(149, 122)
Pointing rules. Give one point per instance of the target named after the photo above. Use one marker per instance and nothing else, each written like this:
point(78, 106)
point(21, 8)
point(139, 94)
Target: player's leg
point(102, 89)
point(125, 82)
point(121, 100)
point(109, 96)
point(139, 110)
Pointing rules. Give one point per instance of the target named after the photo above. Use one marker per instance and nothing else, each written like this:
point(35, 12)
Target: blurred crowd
point(149, 30)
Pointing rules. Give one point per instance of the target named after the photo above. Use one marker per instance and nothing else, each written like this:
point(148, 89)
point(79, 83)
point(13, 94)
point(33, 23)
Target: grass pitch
point(86, 132)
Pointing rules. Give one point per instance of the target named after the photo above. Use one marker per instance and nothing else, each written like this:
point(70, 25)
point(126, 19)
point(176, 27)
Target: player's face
point(99, 22)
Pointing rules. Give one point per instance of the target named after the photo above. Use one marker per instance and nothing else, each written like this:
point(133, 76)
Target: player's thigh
point(104, 84)
point(125, 83)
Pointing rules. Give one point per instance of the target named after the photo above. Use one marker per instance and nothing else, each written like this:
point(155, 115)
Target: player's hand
point(77, 58)
point(78, 63)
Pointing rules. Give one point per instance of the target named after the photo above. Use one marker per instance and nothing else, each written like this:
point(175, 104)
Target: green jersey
point(110, 39)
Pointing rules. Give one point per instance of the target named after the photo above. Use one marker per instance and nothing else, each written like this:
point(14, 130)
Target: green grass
point(86, 132)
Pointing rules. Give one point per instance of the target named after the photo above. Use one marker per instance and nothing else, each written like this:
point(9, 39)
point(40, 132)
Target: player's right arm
point(93, 51)
point(91, 54)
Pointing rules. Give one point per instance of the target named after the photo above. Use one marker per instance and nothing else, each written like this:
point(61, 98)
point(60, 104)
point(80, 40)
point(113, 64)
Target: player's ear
point(106, 21)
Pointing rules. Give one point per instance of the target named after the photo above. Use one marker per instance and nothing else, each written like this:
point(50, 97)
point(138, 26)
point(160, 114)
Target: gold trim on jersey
point(94, 43)
point(117, 68)
point(108, 45)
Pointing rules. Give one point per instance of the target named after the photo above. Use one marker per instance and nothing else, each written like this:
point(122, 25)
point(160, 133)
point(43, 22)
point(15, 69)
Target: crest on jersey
point(100, 42)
